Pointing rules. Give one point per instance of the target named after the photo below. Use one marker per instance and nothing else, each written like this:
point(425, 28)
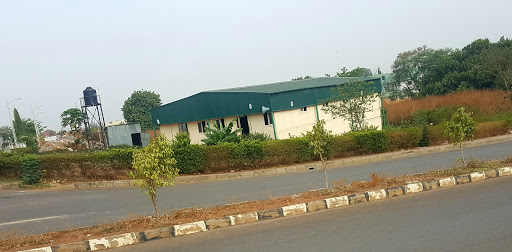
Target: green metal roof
point(285, 86)
point(249, 100)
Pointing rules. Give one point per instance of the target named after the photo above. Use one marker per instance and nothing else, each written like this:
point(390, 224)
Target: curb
point(298, 168)
point(122, 240)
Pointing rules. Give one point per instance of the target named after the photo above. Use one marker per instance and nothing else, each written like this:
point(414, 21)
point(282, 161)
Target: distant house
point(48, 133)
point(276, 109)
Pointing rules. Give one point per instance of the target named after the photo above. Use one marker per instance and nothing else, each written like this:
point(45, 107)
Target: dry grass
point(13, 241)
point(487, 101)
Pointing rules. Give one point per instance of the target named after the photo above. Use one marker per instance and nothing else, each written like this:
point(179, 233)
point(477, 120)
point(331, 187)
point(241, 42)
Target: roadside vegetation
point(16, 240)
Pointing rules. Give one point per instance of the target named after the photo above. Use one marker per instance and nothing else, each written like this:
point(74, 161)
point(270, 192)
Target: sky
point(50, 51)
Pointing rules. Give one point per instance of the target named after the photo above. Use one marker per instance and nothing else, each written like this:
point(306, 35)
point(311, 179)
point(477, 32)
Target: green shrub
point(189, 157)
point(256, 136)
point(10, 164)
point(489, 129)
point(433, 116)
point(31, 170)
point(280, 152)
point(425, 140)
point(217, 158)
point(344, 146)
point(436, 134)
point(248, 153)
point(370, 141)
point(403, 139)
point(306, 152)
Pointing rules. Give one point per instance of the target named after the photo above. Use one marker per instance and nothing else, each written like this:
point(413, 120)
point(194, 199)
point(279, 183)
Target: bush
point(280, 152)
point(189, 157)
point(344, 146)
point(489, 129)
point(217, 158)
point(370, 141)
point(31, 172)
point(10, 164)
point(432, 116)
point(248, 153)
point(403, 139)
point(436, 134)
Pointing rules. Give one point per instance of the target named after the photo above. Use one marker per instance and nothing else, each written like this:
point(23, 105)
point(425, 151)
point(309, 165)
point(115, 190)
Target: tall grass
point(486, 105)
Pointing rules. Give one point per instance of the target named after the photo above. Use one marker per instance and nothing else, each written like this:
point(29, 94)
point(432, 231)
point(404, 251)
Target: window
point(237, 122)
point(182, 127)
point(201, 126)
point(268, 118)
point(220, 123)
point(304, 109)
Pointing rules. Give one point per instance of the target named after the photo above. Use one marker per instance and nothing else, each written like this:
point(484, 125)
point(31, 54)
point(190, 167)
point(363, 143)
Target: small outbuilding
point(127, 134)
point(279, 110)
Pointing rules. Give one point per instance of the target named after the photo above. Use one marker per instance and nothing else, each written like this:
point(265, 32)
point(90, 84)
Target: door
point(244, 124)
point(136, 139)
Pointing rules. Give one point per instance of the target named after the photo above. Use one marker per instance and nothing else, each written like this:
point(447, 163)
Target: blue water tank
point(90, 97)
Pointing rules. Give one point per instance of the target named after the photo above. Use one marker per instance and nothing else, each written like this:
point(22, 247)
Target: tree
point(6, 133)
point(217, 135)
point(352, 101)
point(408, 69)
point(460, 129)
point(154, 167)
point(136, 108)
point(498, 62)
point(320, 139)
point(307, 77)
point(356, 72)
point(73, 117)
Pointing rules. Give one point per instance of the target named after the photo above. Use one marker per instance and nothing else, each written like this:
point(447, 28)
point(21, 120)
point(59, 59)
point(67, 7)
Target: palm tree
point(73, 118)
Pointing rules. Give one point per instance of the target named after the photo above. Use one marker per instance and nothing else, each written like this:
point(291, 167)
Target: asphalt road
point(471, 217)
point(41, 211)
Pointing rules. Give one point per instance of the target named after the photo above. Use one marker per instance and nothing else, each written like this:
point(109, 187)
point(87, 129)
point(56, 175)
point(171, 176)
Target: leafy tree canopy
point(73, 117)
point(136, 108)
point(479, 65)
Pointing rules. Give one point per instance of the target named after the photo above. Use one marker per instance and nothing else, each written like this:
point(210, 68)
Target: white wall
point(170, 130)
point(294, 121)
point(340, 125)
point(257, 125)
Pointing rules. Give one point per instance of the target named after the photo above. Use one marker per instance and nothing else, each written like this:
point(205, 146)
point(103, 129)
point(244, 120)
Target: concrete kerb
point(291, 210)
point(308, 167)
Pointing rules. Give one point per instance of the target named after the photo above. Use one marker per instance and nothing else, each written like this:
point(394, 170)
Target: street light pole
point(35, 122)
point(12, 122)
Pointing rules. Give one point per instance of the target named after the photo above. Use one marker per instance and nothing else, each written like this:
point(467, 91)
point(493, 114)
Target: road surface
point(41, 211)
point(471, 217)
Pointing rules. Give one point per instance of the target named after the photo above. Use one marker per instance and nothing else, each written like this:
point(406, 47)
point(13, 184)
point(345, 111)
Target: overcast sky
point(51, 50)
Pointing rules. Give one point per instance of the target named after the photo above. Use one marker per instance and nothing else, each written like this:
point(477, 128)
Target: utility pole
point(36, 126)
point(12, 122)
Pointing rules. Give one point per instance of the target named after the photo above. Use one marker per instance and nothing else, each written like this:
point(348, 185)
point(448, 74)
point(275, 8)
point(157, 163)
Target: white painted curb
point(190, 228)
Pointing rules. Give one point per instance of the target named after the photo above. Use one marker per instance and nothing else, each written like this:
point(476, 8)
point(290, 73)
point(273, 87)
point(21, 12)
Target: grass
point(15, 240)
point(487, 105)
point(9, 180)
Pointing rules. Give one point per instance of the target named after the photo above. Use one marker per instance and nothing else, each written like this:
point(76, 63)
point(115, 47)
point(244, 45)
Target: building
point(279, 110)
point(127, 134)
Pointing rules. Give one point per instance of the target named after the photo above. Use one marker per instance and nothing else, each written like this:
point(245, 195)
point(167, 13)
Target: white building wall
point(294, 121)
point(340, 125)
point(170, 130)
point(257, 125)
